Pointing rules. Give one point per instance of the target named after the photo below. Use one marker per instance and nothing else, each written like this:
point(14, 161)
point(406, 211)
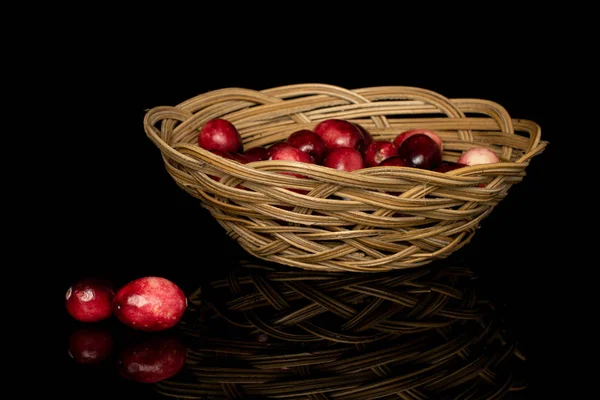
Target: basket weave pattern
point(370, 220)
point(436, 339)
point(346, 308)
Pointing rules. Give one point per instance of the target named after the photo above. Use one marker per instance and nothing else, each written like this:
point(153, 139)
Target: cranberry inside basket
point(453, 161)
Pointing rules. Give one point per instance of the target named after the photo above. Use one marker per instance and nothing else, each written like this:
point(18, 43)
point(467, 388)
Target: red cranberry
point(220, 153)
point(220, 134)
point(395, 161)
point(449, 166)
point(366, 136)
point(405, 135)
point(344, 159)
point(338, 133)
point(275, 147)
point(292, 154)
point(232, 156)
point(150, 304)
point(258, 153)
point(241, 158)
point(378, 151)
point(309, 142)
point(90, 300)
point(420, 151)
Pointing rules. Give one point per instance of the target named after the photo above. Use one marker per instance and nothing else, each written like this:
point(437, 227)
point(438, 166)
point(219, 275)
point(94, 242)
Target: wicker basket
point(346, 221)
point(437, 340)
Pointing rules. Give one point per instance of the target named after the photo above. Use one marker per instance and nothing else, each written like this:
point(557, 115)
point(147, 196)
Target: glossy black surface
point(444, 306)
point(126, 218)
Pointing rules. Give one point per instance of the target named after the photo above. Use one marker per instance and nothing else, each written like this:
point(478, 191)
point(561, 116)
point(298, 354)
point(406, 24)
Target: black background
point(118, 214)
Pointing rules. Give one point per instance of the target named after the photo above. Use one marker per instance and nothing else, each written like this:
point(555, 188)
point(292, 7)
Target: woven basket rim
point(536, 146)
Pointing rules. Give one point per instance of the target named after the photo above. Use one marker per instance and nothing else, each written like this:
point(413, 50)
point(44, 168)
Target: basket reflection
point(267, 332)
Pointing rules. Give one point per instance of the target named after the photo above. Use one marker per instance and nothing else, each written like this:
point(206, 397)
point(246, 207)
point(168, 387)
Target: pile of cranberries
point(342, 145)
point(149, 304)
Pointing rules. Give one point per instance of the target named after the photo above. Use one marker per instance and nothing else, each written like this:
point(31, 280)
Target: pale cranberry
point(478, 155)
